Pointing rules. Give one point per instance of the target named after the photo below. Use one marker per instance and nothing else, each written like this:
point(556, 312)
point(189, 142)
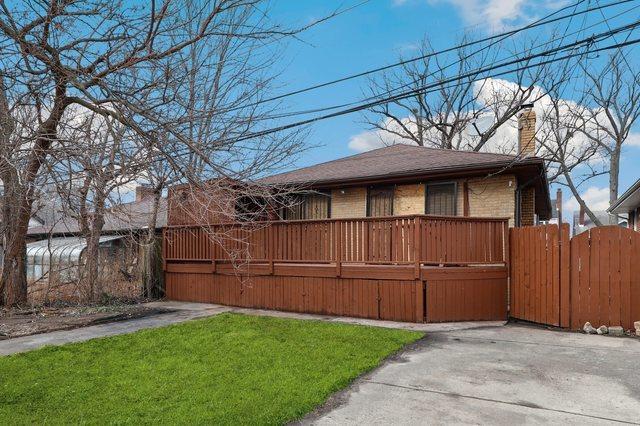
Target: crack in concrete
point(554, 345)
point(498, 401)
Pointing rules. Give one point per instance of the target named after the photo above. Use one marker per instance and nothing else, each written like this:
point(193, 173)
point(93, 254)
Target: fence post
point(420, 287)
point(565, 281)
point(506, 256)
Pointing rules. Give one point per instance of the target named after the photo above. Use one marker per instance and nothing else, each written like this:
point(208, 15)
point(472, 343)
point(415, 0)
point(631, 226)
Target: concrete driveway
point(498, 375)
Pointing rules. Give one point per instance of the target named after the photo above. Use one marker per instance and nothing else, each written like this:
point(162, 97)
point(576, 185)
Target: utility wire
point(329, 108)
point(588, 41)
point(500, 37)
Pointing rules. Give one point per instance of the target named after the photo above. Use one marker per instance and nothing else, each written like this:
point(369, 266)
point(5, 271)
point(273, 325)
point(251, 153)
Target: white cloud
point(633, 139)
point(597, 199)
point(372, 139)
point(497, 15)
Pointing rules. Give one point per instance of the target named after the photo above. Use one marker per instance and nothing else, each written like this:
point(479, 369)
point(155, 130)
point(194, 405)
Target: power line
point(424, 89)
point(344, 105)
point(454, 81)
point(542, 21)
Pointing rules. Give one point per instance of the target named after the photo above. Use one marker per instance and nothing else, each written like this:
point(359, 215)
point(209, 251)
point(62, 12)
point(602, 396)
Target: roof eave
point(501, 167)
point(620, 203)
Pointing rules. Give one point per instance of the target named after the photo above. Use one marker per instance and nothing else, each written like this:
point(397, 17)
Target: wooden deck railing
point(400, 240)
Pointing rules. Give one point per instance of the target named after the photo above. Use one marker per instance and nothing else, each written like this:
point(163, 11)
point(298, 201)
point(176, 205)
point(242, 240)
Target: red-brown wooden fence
point(594, 276)
point(372, 267)
point(605, 277)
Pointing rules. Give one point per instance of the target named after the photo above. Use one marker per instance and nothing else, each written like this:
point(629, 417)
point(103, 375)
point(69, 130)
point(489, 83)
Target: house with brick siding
point(402, 180)
point(409, 179)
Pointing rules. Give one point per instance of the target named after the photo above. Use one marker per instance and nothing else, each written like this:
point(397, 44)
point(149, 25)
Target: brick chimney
point(581, 216)
point(143, 192)
point(527, 131)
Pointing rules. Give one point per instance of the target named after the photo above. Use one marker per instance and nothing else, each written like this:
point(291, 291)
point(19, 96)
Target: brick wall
point(409, 199)
point(492, 197)
point(351, 203)
point(527, 206)
point(527, 133)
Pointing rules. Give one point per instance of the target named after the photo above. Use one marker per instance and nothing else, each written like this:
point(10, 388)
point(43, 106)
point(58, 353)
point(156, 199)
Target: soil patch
point(25, 322)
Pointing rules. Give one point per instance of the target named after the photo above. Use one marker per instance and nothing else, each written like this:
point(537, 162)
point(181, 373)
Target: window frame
point(301, 198)
point(391, 188)
point(441, 183)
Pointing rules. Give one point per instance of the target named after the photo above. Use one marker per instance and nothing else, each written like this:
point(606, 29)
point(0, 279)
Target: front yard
point(226, 369)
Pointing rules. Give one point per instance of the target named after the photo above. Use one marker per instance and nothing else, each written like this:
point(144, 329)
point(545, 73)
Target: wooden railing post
point(417, 246)
point(365, 239)
point(270, 247)
point(164, 249)
point(338, 234)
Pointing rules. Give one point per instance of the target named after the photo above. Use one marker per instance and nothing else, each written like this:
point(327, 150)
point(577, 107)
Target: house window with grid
point(441, 199)
point(316, 205)
point(380, 201)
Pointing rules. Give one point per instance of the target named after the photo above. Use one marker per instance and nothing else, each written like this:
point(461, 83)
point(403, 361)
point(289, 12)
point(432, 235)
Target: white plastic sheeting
point(62, 255)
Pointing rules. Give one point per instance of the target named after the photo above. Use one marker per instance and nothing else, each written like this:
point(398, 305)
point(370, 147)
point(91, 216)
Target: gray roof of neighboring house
point(628, 201)
point(121, 218)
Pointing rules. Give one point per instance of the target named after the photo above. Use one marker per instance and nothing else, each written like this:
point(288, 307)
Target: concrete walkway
point(184, 311)
point(497, 375)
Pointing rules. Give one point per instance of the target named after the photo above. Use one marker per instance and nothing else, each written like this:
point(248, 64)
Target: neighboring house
point(582, 221)
point(55, 252)
point(121, 219)
point(628, 204)
point(408, 179)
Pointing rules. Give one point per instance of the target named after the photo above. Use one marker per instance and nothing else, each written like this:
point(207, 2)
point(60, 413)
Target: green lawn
point(226, 369)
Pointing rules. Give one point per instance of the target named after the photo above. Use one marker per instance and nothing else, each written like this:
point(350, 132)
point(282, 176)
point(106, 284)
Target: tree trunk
point(93, 280)
point(14, 274)
point(152, 283)
point(14, 271)
point(14, 278)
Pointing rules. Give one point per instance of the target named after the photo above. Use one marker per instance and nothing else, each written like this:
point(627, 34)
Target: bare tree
point(95, 157)
point(120, 60)
point(569, 155)
point(612, 93)
point(464, 114)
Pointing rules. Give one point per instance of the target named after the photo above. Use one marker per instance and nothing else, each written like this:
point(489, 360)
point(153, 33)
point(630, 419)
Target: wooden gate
point(539, 272)
point(605, 277)
point(593, 277)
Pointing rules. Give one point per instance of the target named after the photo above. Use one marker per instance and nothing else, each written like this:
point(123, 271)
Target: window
point(315, 205)
point(380, 201)
point(441, 199)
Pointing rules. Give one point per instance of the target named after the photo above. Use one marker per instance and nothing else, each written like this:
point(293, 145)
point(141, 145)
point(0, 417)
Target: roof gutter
point(501, 167)
point(621, 199)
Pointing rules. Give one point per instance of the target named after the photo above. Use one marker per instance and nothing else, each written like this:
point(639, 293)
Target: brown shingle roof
point(392, 161)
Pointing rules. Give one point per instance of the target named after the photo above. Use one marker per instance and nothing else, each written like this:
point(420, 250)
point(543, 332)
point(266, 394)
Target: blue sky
point(375, 34)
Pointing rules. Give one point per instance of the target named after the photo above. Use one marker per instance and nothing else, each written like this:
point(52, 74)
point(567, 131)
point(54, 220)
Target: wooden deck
point(415, 268)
